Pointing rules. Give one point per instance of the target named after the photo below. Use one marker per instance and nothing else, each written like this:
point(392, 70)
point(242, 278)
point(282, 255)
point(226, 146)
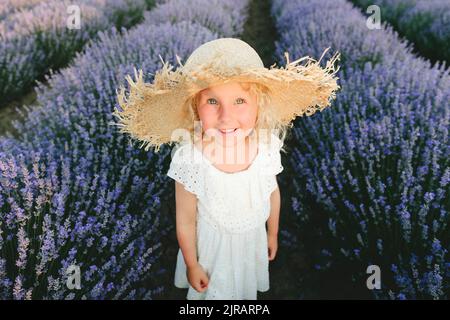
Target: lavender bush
point(73, 190)
point(10, 6)
point(425, 23)
point(204, 12)
point(372, 172)
point(63, 211)
point(35, 40)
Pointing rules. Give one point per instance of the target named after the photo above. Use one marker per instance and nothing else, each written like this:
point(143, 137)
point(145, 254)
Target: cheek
point(207, 116)
point(248, 118)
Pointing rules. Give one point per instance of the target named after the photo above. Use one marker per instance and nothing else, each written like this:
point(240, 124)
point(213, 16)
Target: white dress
point(232, 210)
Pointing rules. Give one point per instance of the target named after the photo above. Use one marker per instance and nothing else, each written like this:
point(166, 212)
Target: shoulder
point(271, 156)
point(186, 171)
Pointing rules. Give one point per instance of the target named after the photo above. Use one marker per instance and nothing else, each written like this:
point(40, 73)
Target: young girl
point(230, 115)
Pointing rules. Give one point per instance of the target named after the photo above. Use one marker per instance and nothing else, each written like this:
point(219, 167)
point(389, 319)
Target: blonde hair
point(266, 120)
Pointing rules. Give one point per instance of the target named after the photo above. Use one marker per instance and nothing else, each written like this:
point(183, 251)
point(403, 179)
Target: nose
point(226, 113)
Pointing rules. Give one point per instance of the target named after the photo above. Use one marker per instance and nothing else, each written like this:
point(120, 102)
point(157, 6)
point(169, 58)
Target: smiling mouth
point(228, 131)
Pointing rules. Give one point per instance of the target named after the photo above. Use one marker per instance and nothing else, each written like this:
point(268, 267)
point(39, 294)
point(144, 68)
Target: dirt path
point(8, 113)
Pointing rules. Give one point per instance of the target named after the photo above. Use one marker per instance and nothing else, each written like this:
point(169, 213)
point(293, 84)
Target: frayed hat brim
point(151, 112)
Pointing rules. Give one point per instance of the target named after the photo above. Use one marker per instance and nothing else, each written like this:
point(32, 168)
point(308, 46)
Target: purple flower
point(379, 147)
point(429, 196)
point(26, 34)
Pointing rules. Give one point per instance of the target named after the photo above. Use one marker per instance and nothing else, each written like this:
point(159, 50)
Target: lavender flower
point(36, 38)
point(374, 162)
point(425, 23)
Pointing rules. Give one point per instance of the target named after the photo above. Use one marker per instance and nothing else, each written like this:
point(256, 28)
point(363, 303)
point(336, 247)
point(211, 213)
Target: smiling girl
point(226, 190)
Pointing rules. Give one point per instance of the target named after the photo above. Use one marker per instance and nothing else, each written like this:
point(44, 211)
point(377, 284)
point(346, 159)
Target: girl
point(230, 115)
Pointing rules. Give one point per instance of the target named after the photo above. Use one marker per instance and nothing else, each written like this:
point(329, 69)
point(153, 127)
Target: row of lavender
point(425, 23)
point(73, 190)
point(372, 173)
point(38, 37)
point(11, 6)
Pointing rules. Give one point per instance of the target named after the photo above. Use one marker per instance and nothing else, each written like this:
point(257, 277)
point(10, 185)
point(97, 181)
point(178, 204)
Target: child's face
point(227, 106)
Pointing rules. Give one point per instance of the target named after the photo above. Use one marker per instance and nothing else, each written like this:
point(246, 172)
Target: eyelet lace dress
point(232, 210)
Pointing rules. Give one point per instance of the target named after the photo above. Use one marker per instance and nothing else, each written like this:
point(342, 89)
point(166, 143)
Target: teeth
point(228, 130)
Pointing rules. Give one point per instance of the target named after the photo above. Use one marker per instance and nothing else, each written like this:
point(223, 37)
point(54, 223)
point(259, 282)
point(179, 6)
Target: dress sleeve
point(273, 165)
point(185, 170)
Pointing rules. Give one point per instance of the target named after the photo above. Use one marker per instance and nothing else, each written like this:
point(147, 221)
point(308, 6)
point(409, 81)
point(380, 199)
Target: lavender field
point(366, 181)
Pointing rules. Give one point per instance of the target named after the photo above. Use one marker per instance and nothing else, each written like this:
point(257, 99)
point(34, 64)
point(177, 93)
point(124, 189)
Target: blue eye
point(208, 101)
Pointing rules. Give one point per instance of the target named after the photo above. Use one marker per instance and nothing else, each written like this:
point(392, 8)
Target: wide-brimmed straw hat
point(151, 112)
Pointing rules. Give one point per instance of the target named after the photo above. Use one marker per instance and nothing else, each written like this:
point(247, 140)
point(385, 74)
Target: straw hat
point(150, 112)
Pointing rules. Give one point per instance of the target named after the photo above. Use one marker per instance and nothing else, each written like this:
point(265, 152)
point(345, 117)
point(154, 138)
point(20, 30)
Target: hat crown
point(224, 53)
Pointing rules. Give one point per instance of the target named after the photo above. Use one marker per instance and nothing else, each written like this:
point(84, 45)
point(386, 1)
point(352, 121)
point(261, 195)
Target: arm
point(186, 214)
point(273, 221)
